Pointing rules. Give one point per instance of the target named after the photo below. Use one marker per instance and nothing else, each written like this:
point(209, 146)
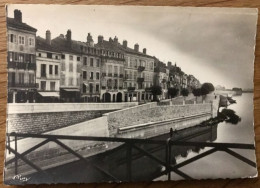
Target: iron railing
point(131, 144)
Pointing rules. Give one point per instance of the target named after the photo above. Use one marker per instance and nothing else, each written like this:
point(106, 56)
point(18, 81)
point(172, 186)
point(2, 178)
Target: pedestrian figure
point(171, 132)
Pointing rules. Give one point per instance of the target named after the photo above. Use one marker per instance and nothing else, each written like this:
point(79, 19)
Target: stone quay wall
point(152, 114)
point(43, 117)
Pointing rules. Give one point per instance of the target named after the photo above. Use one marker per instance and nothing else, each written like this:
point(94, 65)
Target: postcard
point(129, 93)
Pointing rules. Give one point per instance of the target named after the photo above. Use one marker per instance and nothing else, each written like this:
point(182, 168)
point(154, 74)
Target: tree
point(184, 92)
point(196, 92)
point(173, 92)
point(206, 88)
point(156, 90)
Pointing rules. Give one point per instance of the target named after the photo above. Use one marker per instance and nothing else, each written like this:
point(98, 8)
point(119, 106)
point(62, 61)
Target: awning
point(68, 89)
point(49, 94)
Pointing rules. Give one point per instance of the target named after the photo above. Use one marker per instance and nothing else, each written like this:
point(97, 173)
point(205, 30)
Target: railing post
point(170, 153)
point(16, 159)
point(167, 159)
point(8, 143)
point(129, 162)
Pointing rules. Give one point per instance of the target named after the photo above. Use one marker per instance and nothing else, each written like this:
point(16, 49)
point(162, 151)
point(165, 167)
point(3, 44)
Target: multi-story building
point(48, 61)
point(192, 82)
point(161, 77)
point(90, 69)
point(70, 71)
point(21, 60)
point(139, 73)
point(112, 70)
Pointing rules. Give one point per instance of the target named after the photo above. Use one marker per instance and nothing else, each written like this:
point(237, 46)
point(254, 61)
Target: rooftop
point(11, 22)
point(42, 44)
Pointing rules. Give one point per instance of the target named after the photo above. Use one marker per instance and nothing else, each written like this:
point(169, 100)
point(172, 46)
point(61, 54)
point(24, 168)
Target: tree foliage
point(156, 90)
point(184, 92)
point(173, 92)
point(196, 92)
point(206, 88)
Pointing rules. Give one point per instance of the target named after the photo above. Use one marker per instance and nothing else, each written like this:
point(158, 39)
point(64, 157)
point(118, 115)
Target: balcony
point(24, 85)
point(115, 75)
point(131, 88)
point(140, 80)
point(141, 68)
point(12, 65)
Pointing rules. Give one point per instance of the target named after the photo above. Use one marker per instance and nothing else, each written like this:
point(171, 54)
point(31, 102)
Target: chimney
point(125, 43)
point(116, 40)
point(68, 36)
point(110, 39)
point(48, 37)
point(100, 39)
point(17, 15)
point(169, 64)
point(137, 47)
point(89, 38)
point(144, 51)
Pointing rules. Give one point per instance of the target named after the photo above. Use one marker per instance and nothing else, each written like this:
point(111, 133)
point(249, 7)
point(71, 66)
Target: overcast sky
point(214, 44)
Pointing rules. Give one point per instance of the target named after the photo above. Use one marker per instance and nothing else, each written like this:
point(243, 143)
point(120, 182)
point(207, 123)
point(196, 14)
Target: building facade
point(21, 60)
point(112, 70)
point(48, 60)
point(70, 68)
point(139, 73)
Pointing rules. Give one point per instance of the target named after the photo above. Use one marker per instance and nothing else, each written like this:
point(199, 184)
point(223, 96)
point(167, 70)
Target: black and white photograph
point(102, 93)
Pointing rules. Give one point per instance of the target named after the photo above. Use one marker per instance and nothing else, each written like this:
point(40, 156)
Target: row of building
point(62, 69)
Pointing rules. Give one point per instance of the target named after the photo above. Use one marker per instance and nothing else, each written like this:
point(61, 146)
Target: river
point(220, 164)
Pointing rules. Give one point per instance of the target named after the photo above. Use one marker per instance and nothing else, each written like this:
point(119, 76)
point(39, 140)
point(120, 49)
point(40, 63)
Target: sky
point(214, 44)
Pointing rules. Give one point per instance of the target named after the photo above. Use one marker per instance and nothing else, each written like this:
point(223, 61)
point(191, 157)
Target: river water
point(220, 164)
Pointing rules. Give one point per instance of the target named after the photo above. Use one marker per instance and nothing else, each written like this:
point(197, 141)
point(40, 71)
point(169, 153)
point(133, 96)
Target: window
point(97, 75)
point(84, 88)
point(56, 70)
point(109, 69)
point(49, 55)
point(115, 69)
point(43, 85)
point(78, 58)
point(40, 55)
point(50, 69)
point(71, 67)
point(12, 38)
point(97, 88)
point(62, 56)
point(52, 86)
point(62, 66)
point(21, 77)
point(31, 78)
point(70, 81)
point(91, 62)
point(97, 62)
point(21, 58)
point(21, 40)
point(85, 61)
point(11, 56)
point(91, 88)
point(71, 57)
point(91, 75)
point(15, 56)
point(84, 75)
point(56, 57)
point(43, 70)
point(31, 42)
